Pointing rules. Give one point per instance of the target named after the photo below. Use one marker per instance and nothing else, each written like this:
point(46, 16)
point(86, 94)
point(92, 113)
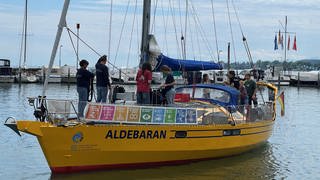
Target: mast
point(145, 31)
point(25, 35)
point(23, 40)
point(62, 24)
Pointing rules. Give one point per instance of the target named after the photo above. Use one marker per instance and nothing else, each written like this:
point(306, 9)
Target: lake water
point(293, 151)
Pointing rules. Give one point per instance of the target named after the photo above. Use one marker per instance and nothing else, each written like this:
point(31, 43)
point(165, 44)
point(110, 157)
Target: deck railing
point(60, 111)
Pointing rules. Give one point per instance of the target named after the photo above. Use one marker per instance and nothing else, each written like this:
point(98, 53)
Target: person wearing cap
point(168, 86)
point(83, 85)
point(102, 79)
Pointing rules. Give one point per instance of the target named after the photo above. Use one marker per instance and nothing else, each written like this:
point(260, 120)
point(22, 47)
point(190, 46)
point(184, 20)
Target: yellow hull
point(88, 147)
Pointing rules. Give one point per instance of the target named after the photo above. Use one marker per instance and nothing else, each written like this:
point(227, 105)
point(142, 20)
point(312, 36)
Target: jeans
point(243, 104)
point(143, 98)
point(170, 96)
point(83, 98)
point(102, 93)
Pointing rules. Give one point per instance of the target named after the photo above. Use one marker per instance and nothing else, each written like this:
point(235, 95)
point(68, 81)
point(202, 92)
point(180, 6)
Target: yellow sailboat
point(138, 140)
point(130, 136)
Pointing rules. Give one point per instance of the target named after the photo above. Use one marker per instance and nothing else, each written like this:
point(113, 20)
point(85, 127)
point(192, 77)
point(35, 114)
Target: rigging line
point(165, 22)
point(110, 30)
point(215, 30)
point(192, 44)
point(245, 42)
point(92, 49)
point(198, 43)
point(180, 16)
point(182, 38)
point(138, 38)
point(73, 46)
point(133, 22)
point(175, 28)
point(197, 37)
point(25, 35)
point(202, 32)
point(122, 28)
point(153, 29)
point(236, 12)
point(185, 30)
point(233, 44)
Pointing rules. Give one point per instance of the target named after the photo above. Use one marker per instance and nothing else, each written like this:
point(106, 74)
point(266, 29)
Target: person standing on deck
point(168, 89)
point(143, 79)
point(243, 96)
point(102, 81)
point(233, 80)
point(206, 91)
point(84, 78)
point(251, 88)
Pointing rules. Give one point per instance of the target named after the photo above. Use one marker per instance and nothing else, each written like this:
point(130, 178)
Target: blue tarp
point(185, 65)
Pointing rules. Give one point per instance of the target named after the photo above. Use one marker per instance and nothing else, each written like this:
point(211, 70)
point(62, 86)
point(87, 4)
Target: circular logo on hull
point(78, 137)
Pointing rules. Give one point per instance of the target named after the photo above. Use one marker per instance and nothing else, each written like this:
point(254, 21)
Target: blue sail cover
point(233, 93)
point(185, 65)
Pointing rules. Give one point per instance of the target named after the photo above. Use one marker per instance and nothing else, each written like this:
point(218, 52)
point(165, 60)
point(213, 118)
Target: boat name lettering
point(136, 134)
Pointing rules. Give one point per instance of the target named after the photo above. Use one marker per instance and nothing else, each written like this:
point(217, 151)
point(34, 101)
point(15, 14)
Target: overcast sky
point(259, 19)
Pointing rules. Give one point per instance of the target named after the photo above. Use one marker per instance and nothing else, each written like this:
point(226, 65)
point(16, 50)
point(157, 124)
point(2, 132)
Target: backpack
point(117, 89)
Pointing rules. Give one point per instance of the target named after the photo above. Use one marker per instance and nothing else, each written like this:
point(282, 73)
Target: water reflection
point(292, 152)
point(257, 164)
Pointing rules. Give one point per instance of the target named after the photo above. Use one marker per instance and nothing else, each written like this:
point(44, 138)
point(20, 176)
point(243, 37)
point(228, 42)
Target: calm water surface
point(293, 151)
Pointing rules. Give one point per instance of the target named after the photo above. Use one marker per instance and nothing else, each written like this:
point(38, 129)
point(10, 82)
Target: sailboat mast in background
point(24, 41)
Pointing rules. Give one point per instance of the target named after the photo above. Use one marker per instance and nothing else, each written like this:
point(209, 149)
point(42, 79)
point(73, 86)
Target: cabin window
point(231, 132)
point(4, 62)
point(181, 134)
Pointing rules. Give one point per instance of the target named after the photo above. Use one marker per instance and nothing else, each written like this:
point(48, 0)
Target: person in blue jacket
point(84, 77)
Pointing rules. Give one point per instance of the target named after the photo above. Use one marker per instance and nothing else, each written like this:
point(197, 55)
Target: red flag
point(294, 43)
point(279, 38)
point(288, 42)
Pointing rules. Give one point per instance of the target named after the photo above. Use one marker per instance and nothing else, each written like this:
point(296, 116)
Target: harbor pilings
point(318, 79)
point(298, 79)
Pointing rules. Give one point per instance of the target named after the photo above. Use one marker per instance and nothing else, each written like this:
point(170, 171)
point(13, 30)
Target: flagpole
point(285, 42)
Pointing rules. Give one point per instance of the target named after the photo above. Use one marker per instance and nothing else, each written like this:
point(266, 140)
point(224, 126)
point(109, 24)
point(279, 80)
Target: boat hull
point(92, 147)
point(6, 79)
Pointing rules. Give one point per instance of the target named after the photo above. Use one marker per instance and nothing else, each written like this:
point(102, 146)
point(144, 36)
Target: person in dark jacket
point(102, 79)
point(233, 80)
point(251, 88)
point(84, 78)
point(168, 85)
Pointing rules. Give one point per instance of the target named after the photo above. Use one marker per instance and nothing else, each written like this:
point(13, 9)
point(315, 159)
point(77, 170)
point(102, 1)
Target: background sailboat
point(25, 75)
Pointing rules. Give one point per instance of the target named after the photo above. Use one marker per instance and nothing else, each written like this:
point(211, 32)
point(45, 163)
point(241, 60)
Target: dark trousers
point(255, 102)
